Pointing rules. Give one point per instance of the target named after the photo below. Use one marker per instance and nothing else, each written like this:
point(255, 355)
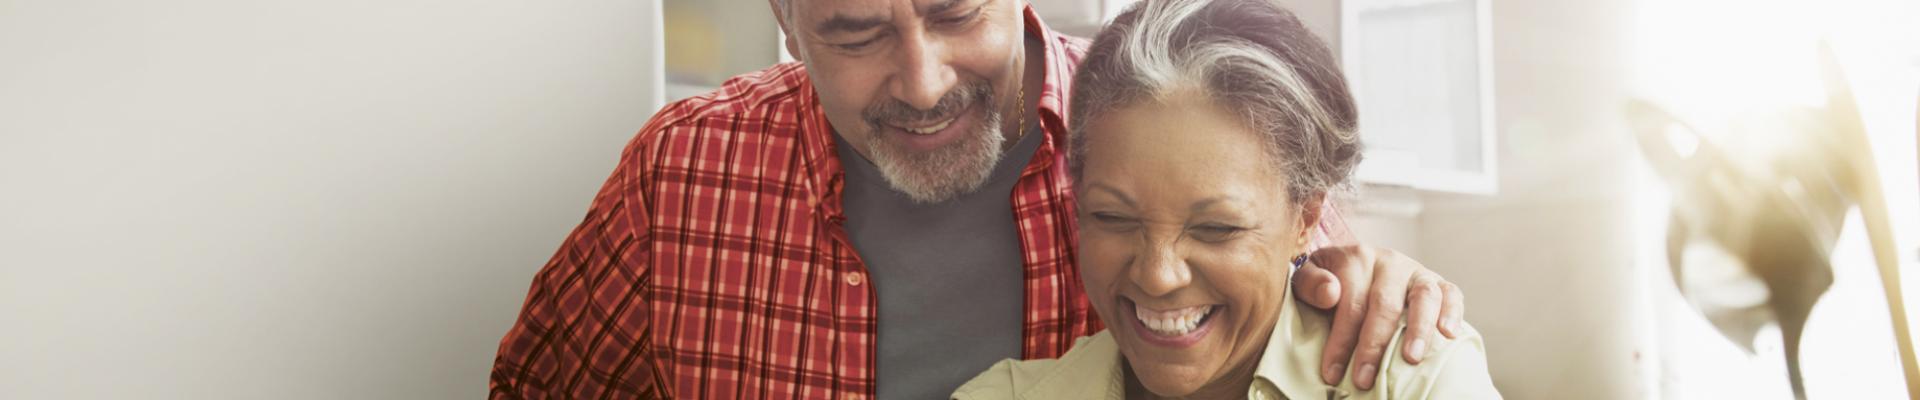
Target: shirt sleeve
point(584, 330)
point(1462, 371)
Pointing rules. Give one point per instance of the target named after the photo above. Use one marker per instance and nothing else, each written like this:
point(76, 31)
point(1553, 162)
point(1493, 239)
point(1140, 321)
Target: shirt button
point(855, 278)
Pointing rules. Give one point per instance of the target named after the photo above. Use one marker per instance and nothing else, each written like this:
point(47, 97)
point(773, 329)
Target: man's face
point(923, 88)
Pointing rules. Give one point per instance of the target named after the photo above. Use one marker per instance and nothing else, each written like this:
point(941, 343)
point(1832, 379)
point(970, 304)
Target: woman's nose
point(1160, 270)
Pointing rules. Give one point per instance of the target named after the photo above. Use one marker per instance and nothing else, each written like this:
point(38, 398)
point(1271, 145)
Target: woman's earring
point(1302, 258)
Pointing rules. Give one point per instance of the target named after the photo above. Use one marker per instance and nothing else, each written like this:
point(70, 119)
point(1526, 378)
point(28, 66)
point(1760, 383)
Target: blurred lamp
point(1753, 223)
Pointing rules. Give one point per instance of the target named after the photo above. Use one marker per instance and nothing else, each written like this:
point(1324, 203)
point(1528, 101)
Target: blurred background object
point(710, 41)
point(1080, 18)
point(1744, 84)
point(1754, 221)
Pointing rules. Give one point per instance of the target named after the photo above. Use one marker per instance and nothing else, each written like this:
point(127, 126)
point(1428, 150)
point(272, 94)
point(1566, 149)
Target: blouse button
point(855, 278)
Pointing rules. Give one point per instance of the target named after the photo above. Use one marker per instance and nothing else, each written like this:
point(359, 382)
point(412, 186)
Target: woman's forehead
point(1180, 132)
point(1178, 150)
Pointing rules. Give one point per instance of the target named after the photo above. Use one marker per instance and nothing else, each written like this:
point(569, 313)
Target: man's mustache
point(896, 113)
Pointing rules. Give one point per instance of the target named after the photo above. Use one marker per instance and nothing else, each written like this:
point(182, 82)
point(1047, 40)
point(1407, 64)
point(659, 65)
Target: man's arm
point(584, 329)
point(1369, 289)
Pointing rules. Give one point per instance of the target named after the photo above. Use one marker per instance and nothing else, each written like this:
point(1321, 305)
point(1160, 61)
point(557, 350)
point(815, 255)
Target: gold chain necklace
point(1021, 128)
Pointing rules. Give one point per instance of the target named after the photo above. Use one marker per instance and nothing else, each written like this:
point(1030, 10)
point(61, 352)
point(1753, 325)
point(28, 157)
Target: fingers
point(1354, 269)
point(1423, 313)
point(1316, 286)
point(1385, 305)
point(1453, 310)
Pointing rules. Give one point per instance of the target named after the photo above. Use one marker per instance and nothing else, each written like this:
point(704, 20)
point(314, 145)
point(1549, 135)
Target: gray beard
point(944, 173)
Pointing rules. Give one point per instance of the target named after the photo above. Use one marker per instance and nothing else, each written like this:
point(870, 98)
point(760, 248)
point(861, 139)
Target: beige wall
point(293, 199)
point(1550, 259)
point(1547, 263)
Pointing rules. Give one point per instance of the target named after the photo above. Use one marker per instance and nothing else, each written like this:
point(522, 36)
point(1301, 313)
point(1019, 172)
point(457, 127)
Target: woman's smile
point(1180, 327)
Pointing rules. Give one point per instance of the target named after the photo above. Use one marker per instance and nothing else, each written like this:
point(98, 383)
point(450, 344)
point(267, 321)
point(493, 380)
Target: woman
point(1206, 135)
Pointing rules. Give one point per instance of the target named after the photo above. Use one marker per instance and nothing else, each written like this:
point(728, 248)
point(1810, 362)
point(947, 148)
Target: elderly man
point(887, 217)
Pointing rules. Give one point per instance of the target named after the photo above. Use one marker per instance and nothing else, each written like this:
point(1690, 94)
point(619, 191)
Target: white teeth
point(1172, 323)
point(930, 129)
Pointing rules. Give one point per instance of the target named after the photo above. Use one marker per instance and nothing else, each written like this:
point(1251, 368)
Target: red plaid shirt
point(714, 263)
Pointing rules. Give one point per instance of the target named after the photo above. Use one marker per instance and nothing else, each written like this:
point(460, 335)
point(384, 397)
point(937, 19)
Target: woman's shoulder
point(1093, 363)
point(1451, 368)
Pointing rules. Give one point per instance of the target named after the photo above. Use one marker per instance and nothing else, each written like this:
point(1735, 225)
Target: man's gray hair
point(1252, 57)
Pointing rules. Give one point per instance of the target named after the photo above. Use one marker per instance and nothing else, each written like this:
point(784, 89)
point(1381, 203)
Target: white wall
point(294, 199)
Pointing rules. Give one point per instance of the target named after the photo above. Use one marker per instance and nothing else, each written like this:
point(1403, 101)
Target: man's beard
point(943, 173)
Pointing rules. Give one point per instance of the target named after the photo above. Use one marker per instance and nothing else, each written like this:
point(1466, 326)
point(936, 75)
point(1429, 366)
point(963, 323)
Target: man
point(887, 217)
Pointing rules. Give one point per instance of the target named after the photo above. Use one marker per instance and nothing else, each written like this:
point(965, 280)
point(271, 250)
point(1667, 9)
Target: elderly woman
point(1206, 133)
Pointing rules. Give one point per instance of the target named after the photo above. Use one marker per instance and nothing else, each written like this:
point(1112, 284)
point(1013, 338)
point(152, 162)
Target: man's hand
point(1369, 289)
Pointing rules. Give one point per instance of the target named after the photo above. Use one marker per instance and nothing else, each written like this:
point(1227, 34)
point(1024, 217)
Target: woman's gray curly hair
point(1252, 57)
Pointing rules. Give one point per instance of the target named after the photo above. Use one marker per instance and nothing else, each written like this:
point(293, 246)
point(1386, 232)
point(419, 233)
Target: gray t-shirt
point(949, 274)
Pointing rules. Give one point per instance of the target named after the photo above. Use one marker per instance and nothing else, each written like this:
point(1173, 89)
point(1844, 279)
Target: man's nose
point(924, 76)
point(1160, 270)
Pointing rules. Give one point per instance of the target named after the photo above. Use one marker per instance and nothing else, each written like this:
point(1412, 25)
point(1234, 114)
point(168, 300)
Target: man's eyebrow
point(940, 7)
point(840, 23)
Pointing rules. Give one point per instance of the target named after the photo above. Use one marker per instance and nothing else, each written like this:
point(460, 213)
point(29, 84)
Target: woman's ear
point(1310, 212)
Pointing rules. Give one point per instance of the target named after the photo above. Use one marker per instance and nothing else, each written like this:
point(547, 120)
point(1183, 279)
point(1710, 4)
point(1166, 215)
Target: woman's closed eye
point(1214, 232)
point(1115, 221)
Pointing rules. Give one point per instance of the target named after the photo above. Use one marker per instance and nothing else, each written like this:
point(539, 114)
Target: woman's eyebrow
point(1124, 199)
point(1204, 203)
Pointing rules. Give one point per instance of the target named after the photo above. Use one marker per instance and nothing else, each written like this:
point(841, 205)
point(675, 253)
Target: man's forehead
point(821, 10)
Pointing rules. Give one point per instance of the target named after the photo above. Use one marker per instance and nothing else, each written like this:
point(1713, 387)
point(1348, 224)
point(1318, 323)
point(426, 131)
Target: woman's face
point(1185, 235)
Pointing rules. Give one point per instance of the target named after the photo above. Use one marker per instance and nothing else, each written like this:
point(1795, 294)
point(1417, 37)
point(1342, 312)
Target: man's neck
point(1032, 81)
